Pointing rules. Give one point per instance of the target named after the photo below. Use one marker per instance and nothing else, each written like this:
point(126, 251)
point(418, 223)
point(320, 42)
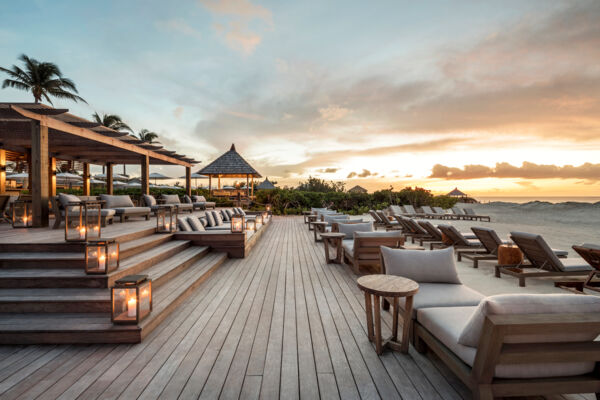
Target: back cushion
point(229, 214)
point(195, 223)
point(113, 201)
point(201, 198)
point(349, 229)
point(217, 217)
point(183, 225)
point(149, 200)
point(210, 220)
point(170, 198)
point(65, 199)
point(224, 215)
point(433, 266)
point(187, 199)
point(517, 304)
point(203, 221)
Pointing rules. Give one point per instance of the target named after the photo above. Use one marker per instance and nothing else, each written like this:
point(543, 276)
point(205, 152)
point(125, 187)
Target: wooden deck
point(280, 323)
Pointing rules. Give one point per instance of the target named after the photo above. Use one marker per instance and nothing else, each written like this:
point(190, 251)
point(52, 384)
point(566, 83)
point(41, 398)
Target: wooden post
point(219, 182)
point(188, 181)
point(86, 179)
point(52, 176)
point(2, 171)
point(209, 185)
point(252, 185)
point(38, 174)
point(109, 178)
point(145, 174)
point(248, 186)
point(29, 170)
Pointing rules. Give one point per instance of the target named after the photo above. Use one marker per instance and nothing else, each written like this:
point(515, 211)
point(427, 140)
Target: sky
point(494, 97)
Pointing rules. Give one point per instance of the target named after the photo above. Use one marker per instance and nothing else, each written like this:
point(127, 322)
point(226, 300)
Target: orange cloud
point(527, 170)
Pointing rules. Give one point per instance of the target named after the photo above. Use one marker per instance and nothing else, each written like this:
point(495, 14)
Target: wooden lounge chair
point(428, 212)
point(463, 244)
point(435, 236)
point(490, 240)
point(470, 213)
point(459, 213)
point(364, 250)
point(544, 261)
point(376, 218)
point(389, 224)
point(409, 211)
point(442, 214)
point(591, 254)
point(415, 231)
point(396, 210)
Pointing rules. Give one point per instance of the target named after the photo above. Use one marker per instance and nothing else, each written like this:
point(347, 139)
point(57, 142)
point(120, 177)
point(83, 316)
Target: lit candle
point(131, 310)
point(102, 262)
point(82, 232)
point(167, 225)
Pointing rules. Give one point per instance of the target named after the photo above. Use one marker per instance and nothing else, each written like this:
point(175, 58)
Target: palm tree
point(43, 79)
point(111, 121)
point(146, 136)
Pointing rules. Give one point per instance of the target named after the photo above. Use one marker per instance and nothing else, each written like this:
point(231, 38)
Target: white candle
point(131, 310)
point(82, 232)
point(102, 262)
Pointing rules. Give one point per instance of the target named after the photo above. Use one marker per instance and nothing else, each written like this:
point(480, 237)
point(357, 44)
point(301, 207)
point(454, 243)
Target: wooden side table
point(318, 228)
point(311, 218)
point(305, 215)
point(509, 255)
point(333, 239)
point(379, 286)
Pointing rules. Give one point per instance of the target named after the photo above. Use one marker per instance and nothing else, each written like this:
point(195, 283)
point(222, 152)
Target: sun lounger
point(543, 259)
point(389, 224)
point(435, 235)
point(490, 240)
point(462, 243)
point(427, 212)
point(591, 254)
point(441, 212)
point(470, 213)
point(363, 250)
point(413, 229)
point(376, 218)
point(396, 210)
point(409, 211)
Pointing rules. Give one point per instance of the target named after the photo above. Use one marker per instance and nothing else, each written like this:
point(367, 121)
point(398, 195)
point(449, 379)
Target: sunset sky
point(493, 97)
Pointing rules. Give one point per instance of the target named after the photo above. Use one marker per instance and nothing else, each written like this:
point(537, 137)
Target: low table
point(306, 214)
point(379, 286)
point(311, 218)
point(335, 239)
point(318, 228)
point(509, 255)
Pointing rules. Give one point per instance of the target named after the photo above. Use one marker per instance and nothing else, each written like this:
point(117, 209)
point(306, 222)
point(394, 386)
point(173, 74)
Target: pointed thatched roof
point(230, 164)
point(265, 185)
point(457, 193)
point(357, 189)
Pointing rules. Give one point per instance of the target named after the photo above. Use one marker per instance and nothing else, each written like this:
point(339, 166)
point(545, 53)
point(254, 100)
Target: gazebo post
point(29, 169)
point(145, 174)
point(52, 176)
point(86, 179)
point(2, 171)
point(219, 182)
point(188, 181)
point(209, 185)
point(252, 185)
point(109, 178)
point(38, 173)
point(248, 186)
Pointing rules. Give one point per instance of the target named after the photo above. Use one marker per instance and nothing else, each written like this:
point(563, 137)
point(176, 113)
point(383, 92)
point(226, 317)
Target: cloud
point(351, 175)
point(328, 170)
point(253, 117)
point(333, 112)
point(527, 170)
point(237, 16)
point(178, 112)
point(178, 25)
point(364, 174)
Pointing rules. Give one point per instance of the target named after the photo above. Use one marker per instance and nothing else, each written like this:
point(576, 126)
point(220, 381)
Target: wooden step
point(56, 328)
point(170, 268)
point(136, 246)
point(80, 300)
point(42, 260)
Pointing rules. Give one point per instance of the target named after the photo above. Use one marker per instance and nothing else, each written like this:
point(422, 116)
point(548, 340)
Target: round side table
point(335, 240)
point(378, 286)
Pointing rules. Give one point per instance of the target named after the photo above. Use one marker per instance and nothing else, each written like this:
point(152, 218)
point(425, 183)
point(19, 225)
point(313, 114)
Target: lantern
point(131, 299)
point(268, 207)
point(237, 223)
point(82, 221)
point(166, 219)
point(265, 216)
point(21, 214)
point(251, 225)
point(259, 220)
point(101, 256)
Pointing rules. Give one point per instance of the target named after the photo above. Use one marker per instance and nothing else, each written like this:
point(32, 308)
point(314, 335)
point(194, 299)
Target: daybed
point(124, 207)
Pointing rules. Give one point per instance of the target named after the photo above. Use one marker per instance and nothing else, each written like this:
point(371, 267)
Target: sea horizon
point(528, 199)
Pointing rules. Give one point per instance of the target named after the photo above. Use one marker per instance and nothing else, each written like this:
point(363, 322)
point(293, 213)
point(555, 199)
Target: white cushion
point(65, 199)
point(224, 215)
point(443, 295)
point(229, 214)
point(113, 201)
point(170, 198)
point(349, 229)
point(396, 210)
point(447, 323)
point(434, 266)
point(575, 264)
point(183, 225)
point(195, 223)
point(518, 304)
point(210, 220)
point(149, 200)
point(217, 217)
point(348, 246)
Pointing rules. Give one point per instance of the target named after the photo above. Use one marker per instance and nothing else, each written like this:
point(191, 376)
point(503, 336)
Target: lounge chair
point(124, 207)
point(490, 240)
point(435, 235)
point(428, 212)
point(376, 218)
point(462, 243)
point(506, 345)
point(202, 200)
point(412, 229)
point(441, 213)
point(363, 250)
point(173, 199)
point(396, 210)
point(61, 202)
point(409, 211)
point(544, 260)
point(459, 213)
point(470, 213)
point(591, 254)
point(389, 224)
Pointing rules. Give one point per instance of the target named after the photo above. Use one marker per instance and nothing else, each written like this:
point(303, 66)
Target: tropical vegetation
point(112, 121)
point(147, 136)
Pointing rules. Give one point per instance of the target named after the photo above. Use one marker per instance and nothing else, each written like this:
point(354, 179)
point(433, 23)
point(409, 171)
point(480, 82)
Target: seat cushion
point(349, 229)
point(224, 227)
point(184, 206)
point(113, 201)
point(105, 212)
point(187, 199)
point(149, 200)
point(229, 214)
point(434, 266)
point(519, 304)
point(348, 246)
point(170, 198)
point(132, 210)
point(443, 295)
point(195, 223)
point(183, 225)
point(201, 199)
point(575, 264)
point(447, 323)
point(65, 199)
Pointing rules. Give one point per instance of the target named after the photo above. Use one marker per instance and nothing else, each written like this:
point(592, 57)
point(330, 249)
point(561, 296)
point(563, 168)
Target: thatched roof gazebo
point(265, 185)
point(230, 165)
point(457, 193)
point(357, 189)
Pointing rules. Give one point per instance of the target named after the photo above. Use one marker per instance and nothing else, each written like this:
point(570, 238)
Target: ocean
point(527, 199)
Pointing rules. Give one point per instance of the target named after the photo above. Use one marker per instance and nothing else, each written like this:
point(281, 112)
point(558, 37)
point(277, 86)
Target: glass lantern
point(268, 207)
point(131, 299)
point(22, 216)
point(166, 219)
point(237, 223)
point(259, 220)
point(265, 216)
point(251, 225)
point(82, 221)
point(101, 256)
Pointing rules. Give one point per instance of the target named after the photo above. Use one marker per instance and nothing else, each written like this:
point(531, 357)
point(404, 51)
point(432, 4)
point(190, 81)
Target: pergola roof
point(231, 164)
point(456, 192)
point(73, 138)
point(265, 185)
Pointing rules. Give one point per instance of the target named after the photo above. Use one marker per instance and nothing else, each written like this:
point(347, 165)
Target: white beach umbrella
point(195, 177)
point(17, 177)
point(157, 175)
point(116, 177)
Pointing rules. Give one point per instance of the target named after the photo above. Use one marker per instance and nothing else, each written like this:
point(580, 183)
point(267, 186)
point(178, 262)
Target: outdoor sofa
point(60, 205)
point(503, 345)
point(124, 207)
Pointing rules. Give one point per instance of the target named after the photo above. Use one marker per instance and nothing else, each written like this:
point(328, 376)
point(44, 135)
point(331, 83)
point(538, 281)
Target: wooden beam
point(145, 172)
point(52, 177)
point(95, 136)
point(86, 179)
point(39, 174)
point(2, 171)
point(188, 181)
point(109, 178)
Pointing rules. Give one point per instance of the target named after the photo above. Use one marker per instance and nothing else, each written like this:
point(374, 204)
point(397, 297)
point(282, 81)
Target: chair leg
point(483, 392)
point(385, 305)
point(57, 221)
